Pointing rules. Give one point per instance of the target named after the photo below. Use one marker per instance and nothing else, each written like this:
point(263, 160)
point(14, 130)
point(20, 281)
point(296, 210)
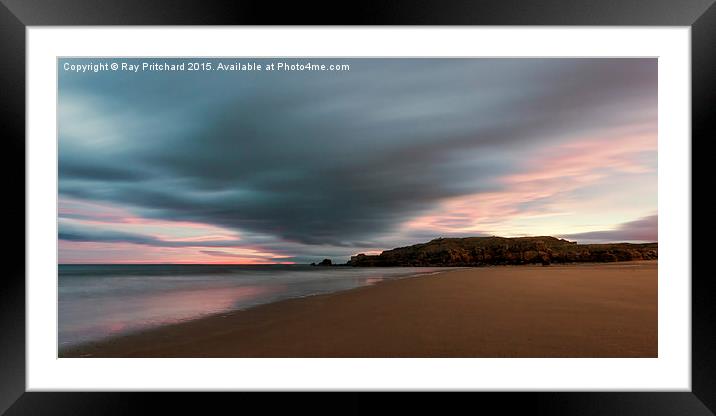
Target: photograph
point(357, 207)
point(240, 198)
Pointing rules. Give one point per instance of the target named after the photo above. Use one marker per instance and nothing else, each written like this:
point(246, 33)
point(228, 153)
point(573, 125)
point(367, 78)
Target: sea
point(101, 301)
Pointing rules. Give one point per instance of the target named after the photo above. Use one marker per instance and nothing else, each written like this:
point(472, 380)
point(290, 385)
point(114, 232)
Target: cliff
point(483, 251)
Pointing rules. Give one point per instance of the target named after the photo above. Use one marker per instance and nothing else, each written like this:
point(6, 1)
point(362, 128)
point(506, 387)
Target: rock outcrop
point(324, 262)
point(483, 251)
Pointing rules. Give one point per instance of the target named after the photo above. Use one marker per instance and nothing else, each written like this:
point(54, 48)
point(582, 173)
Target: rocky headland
point(486, 251)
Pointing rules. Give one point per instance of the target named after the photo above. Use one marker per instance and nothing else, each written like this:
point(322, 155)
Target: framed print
point(485, 200)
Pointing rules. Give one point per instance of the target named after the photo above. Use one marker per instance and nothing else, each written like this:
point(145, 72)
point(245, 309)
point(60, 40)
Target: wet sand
point(582, 310)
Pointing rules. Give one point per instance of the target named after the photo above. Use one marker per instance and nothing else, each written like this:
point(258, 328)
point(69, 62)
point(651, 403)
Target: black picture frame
point(15, 15)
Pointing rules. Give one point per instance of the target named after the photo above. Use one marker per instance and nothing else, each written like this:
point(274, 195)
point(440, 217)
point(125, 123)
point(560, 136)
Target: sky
point(296, 166)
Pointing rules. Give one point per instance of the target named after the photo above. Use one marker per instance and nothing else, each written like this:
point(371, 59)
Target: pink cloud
point(128, 253)
point(543, 189)
point(197, 236)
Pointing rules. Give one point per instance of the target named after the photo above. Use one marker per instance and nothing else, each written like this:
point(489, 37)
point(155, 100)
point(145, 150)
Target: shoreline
point(405, 324)
point(72, 349)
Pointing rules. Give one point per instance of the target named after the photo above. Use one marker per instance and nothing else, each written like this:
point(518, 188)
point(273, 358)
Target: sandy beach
point(581, 310)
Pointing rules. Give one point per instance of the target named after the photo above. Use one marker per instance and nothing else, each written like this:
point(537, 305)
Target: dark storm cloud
point(336, 159)
point(643, 229)
point(101, 173)
point(78, 234)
